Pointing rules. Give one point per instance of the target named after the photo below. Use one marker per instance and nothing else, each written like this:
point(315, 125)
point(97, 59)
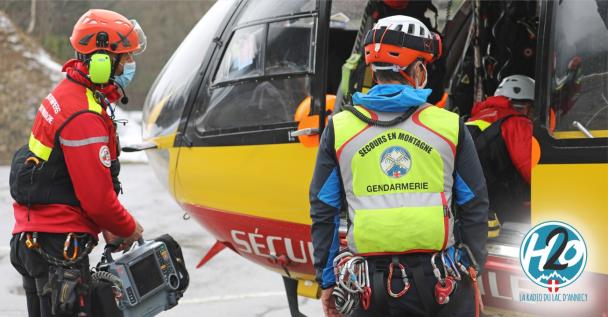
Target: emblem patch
point(104, 156)
point(395, 161)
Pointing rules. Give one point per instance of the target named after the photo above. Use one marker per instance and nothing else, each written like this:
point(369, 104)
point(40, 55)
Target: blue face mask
point(128, 71)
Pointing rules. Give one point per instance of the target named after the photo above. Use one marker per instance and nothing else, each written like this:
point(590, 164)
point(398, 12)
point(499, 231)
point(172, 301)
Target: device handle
point(114, 245)
point(110, 247)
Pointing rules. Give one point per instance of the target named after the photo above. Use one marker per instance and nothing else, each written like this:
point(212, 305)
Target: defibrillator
point(145, 280)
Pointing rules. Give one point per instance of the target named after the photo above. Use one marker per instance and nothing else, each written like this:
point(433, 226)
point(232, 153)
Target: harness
point(355, 276)
point(68, 280)
point(354, 286)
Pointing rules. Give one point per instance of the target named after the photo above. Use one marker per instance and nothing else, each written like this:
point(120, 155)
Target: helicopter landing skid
point(291, 289)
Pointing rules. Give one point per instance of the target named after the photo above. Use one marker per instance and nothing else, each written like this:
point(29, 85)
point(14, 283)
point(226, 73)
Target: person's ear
point(420, 74)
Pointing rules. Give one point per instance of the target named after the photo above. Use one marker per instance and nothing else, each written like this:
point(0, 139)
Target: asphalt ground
point(228, 285)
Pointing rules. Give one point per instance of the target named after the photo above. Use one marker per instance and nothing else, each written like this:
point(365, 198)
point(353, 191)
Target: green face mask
point(100, 68)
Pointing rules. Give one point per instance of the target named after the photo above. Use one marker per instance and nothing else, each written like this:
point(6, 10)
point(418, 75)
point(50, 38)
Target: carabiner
point(32, 243)
point(436, 271)
point(470, 255)
point(406, 282)
point(459, 265)
point(356, 278)
point(32, 159)
point(367, 293)
point(451, 267)
point(338, 263)
point(66, 246)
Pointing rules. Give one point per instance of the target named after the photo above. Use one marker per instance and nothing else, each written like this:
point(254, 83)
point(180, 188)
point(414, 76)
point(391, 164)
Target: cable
point(108, 277)
point(379, 123)
point(124, 100)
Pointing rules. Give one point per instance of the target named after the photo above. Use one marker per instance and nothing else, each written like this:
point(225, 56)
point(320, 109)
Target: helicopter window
point(243, 56)
point(289, 46)
point(265, 9)
point(579, 76)
point(253, 104)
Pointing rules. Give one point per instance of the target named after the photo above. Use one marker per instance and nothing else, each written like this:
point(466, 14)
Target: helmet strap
point(117, 59)
point(408, 78)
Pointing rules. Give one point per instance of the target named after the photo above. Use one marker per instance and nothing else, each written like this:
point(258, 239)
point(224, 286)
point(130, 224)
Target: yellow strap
point(40, 150)
point(482, 125)
point(93, 105)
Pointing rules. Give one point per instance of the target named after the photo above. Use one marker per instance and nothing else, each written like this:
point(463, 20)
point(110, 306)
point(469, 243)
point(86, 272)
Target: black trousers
point(35, 271)
point(461, 304)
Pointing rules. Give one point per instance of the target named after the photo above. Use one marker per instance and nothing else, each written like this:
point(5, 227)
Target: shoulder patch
point(104, 156)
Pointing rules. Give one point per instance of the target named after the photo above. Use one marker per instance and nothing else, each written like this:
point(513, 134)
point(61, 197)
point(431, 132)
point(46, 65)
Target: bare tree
point(32, 24)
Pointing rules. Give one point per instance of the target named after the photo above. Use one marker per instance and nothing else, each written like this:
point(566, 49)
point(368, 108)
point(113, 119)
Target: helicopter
point(231, 124)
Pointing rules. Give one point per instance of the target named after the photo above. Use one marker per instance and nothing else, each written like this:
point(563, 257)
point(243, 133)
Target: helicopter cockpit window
point(264, 9)
point(579, 87)
point(262, 77)
point(243, 56)
point(250, 105)
point(289, 46)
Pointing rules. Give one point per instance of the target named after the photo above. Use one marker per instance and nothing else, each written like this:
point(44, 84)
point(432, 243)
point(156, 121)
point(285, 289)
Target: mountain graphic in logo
point(395, 161)
point(553, 276)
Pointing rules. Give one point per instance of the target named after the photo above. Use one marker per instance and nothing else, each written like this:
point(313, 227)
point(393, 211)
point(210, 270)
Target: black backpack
point(506, 188)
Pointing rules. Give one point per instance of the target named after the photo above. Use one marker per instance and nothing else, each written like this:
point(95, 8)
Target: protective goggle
point(141, 37)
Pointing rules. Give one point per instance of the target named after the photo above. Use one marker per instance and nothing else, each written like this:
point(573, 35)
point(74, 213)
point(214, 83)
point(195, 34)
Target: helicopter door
point(266, 67)
point(571, 135)
point(240, 172)
point(237, 133)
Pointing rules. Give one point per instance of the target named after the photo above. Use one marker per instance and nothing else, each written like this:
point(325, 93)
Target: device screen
point(147, 275)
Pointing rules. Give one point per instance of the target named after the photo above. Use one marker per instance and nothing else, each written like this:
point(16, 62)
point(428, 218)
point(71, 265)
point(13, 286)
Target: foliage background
point(165, 23)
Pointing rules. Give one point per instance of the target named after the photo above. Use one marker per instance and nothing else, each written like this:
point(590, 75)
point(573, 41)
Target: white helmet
point(400, 41)
point(404, 24)
point(516, 87)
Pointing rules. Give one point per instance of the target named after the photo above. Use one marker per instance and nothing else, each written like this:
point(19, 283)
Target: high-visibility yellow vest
point(398, 180)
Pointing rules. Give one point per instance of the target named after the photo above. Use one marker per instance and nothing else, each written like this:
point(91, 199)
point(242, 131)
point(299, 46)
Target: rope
point(478, 302)
point(89, 245)
point(365, 24)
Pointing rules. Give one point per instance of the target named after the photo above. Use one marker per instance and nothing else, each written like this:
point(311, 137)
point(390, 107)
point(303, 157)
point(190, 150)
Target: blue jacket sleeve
point(326, 196)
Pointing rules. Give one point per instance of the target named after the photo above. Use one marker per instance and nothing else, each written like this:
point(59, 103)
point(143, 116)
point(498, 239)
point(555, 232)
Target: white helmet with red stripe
point(401, 40)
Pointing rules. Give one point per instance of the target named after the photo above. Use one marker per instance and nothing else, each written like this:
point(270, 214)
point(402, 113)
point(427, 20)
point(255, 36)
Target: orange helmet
point(401, 40)
point(108, 31)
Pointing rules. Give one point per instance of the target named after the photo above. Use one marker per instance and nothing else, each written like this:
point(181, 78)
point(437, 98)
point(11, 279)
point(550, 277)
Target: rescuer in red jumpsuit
point(65, 180)
point(502, 131)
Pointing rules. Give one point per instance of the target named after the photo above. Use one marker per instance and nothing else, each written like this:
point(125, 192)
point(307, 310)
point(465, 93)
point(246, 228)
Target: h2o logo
point(553, 254)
